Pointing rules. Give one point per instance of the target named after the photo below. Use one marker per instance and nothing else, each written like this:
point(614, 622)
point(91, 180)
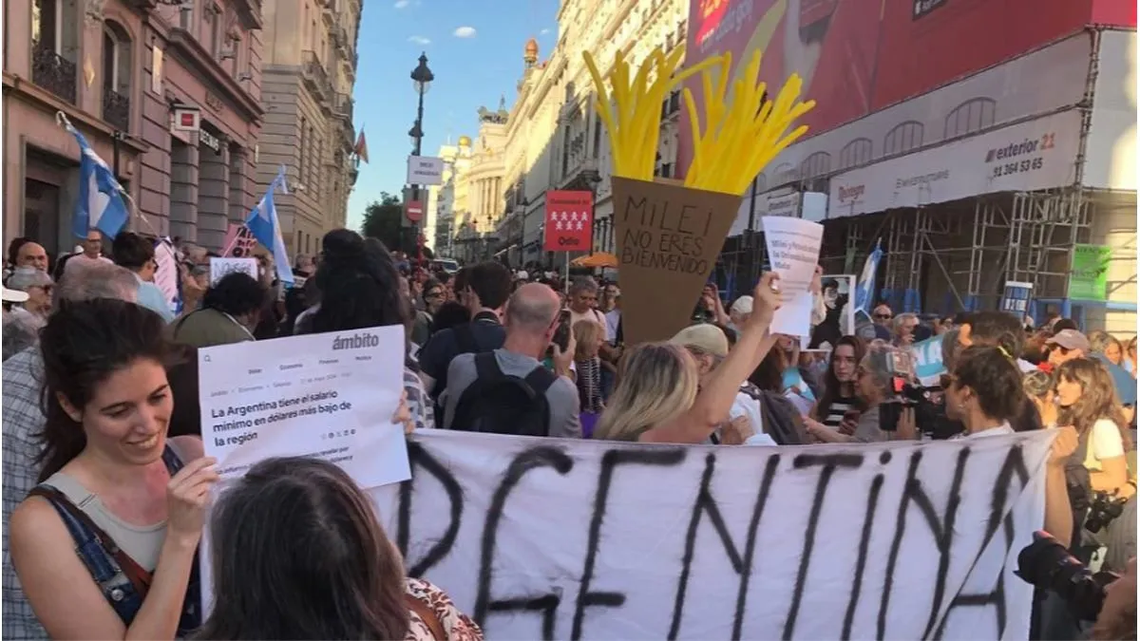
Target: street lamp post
point(421, 79)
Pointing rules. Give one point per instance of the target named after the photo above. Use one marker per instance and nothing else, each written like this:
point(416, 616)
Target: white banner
point(1038, 154)
point(555, 539)
point(425, 170)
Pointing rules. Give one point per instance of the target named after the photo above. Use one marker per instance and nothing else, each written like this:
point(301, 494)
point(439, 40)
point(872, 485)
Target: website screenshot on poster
point(326, 395)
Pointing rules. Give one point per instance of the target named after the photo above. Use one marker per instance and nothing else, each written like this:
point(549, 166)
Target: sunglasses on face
point(434, 294)
point(883, 316)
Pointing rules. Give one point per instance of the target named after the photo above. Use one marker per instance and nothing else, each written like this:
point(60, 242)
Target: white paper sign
point(793, 251)
point(222, 267)
point(558, 539)
point(329, 395)
point(425, 170)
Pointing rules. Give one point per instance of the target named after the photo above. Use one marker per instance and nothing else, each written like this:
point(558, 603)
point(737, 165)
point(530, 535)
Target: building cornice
point(201, 63)
point(27, 90)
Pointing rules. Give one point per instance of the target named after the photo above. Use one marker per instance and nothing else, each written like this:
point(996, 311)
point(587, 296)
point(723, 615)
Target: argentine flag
point(265, 227)
point(865, 289)
point(101, 204)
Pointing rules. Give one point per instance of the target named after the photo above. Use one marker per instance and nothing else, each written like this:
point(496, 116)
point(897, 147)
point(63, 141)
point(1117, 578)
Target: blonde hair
point(586, 335)
point(658, 384)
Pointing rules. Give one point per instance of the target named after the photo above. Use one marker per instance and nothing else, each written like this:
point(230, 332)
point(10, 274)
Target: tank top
point(140, 542)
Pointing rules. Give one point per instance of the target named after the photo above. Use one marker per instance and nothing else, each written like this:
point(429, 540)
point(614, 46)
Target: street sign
point(425, 170)
point(414, 210)
point(569, 222)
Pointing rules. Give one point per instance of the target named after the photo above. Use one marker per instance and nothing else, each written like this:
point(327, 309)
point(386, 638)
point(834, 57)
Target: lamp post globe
point(422, 76)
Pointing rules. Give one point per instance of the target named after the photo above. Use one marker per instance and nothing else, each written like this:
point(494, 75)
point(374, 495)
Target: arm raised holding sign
point(716, 396)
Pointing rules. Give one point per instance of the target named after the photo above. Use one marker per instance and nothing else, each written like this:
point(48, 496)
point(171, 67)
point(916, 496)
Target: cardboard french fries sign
point(668, 240)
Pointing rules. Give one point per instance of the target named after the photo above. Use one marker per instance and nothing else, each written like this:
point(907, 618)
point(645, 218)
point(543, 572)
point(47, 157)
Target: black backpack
point(497, 403)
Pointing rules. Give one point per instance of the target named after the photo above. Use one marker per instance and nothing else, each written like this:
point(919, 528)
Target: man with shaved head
point(491, 392)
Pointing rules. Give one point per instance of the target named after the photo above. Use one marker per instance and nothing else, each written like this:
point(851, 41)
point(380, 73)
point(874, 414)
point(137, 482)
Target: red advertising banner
point(856, 57)
point(569, 221)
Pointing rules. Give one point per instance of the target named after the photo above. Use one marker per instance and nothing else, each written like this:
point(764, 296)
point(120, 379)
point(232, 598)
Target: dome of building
point(464, 141)
point(531, 50)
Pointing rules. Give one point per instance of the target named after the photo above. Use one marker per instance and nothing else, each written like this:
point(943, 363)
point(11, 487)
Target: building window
point(904, 137)
point(856, 152)
point(970, 116)
point(116, 76)
point(597, 136)
point(55, 46)
point(186, 15)
point(566, 151)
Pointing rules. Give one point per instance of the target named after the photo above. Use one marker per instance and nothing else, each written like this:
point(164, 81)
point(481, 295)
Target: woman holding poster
point(105, 547)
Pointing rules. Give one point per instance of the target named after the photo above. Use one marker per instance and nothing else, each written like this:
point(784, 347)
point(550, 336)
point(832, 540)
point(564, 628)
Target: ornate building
point(310, 73)
point(118, 70)
point(439, 224)
point(475, 224)
point(555, 140)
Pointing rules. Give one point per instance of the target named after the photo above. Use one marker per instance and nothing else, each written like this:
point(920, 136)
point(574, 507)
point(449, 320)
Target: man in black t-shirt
point(488, 285)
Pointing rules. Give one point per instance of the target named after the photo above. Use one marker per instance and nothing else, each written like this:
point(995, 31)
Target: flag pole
point(62, 120)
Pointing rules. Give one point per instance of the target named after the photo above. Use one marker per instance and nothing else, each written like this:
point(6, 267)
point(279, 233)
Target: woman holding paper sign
point(663, 404)
point(105, 547)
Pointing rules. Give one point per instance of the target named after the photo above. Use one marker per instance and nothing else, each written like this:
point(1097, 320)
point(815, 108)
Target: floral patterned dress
point(456, 625)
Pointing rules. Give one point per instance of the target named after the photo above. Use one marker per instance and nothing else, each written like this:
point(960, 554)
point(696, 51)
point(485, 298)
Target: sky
point(475, 51)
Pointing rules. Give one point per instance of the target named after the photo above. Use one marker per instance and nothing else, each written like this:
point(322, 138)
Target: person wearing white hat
point(20, 327)
point(13, 296)
point(38, 287)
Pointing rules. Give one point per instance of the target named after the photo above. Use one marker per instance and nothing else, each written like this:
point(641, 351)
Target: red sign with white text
point(569, 221)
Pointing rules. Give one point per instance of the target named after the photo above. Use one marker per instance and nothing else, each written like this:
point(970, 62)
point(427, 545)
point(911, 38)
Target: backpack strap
point(540, 379)
point(427, 615)
point(487, 367)
point(73, 516)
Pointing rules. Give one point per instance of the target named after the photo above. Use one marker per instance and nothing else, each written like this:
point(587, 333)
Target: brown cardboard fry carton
point(668, 240)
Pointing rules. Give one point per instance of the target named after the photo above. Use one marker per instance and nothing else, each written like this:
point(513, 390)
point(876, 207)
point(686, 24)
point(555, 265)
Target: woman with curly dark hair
point(359, 288)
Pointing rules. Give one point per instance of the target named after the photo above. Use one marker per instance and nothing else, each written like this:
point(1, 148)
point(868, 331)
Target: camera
point(1103, 510)
point(1047, 565)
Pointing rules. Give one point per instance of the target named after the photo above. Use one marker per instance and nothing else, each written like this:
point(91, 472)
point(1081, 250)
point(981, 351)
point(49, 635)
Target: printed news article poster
point(329, 395)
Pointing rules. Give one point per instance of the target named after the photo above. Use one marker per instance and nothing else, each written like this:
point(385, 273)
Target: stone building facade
point(310, 72)
point(118, 70)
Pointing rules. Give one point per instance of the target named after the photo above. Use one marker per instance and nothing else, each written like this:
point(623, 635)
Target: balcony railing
point(342, 106)
point(117, 109)
point(54, 73)
point(315, 74)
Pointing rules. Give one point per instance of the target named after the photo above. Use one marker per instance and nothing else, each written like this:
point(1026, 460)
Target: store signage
point(1038, 154)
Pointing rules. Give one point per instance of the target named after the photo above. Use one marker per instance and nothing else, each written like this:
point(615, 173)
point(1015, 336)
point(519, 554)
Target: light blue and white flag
point(102, 200)
point(266, 228)
point(865, 290)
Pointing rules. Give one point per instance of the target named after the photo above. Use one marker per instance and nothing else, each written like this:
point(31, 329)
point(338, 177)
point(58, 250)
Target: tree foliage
point(384, 220)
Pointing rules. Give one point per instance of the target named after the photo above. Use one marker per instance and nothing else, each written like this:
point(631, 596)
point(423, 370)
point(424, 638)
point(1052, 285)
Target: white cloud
point(464, 32)
point(400, 4)
point(544, 32)
point(419, 40)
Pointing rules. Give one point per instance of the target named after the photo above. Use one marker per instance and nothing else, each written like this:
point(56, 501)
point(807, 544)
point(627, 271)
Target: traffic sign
point(414, 210)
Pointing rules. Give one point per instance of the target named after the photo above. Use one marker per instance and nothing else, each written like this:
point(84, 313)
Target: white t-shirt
point(1104, 443)
point(745, 405)
point(1001, 430)
point(593, 315)
point(613, 317)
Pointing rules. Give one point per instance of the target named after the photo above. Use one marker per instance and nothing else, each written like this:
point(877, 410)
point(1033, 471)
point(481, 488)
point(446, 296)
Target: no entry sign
point(569, 221)
point(414, 210)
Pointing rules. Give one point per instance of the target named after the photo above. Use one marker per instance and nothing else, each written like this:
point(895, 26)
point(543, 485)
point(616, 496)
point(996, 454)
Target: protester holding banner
point(323, 568)
point(986, 394)
point(114, 489)
point(657, 399)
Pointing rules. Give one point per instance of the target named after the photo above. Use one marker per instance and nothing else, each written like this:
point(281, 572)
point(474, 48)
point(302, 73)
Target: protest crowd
point(106, 486)
point(357, 445)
